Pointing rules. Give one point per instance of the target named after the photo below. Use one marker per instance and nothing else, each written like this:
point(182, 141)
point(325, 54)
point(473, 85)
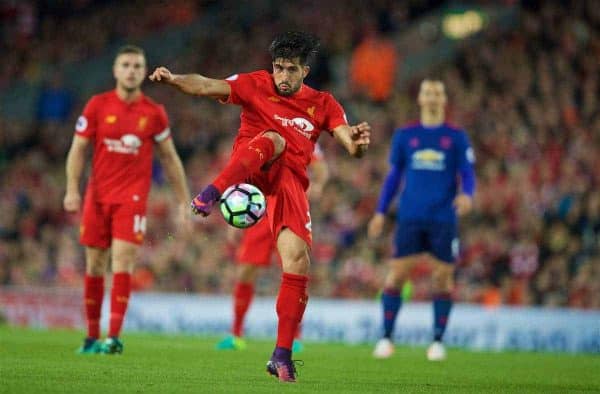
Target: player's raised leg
point(443, 284)
point(291, 302)
point(93, 294)
point(124, 255)
point(245, 161)
point(391, 302)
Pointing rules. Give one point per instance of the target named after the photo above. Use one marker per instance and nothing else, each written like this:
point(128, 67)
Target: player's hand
point(361, 137)
point(361, 134)
point(463, 204)
point(72, 202)
point(161, 74)
point(376, 226)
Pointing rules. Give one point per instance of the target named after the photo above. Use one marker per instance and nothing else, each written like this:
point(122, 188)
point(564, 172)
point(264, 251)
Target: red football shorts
point(101, 223)
point(257, 245)
point(287, 203)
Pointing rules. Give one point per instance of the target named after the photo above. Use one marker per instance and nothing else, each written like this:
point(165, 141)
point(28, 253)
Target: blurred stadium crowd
point(528, 98)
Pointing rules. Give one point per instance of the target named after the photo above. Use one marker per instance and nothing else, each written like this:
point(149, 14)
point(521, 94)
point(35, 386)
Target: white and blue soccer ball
point(243, 205)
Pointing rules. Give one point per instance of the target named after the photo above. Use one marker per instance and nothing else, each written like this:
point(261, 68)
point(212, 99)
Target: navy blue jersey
point(430, 161)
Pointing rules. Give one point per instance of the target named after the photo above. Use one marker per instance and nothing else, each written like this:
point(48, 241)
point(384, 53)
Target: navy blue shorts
point(439, 239)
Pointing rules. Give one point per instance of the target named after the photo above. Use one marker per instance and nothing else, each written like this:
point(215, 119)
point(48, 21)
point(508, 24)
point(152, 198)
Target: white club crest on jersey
point(455, 247)
point(470, 155)
point(128, 144)
point(131, 141)
point(301, 125)
point(82, 124)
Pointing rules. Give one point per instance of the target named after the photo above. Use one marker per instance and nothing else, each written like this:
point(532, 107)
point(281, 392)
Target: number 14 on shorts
point(139, 224)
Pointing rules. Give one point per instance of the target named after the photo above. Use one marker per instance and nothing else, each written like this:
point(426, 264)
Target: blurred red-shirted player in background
point(256, 249)
point(123, 126)
point(281, 120)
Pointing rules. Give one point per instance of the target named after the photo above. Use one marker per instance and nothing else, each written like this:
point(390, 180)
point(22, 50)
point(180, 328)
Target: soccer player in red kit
point(255, 251)
point(122, 126)
point(281, 120)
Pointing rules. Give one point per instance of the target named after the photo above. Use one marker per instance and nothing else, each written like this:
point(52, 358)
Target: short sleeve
point(87, 122)
point(163, 131)
point(335, 115)
point(243, 87)
point(397, 150)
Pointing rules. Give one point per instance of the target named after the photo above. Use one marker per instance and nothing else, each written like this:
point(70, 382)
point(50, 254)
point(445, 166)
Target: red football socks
point(291, 303)
point(298, 334)
point(119, 298)
point(245, 161)
point(242, 298)
point(93, 292)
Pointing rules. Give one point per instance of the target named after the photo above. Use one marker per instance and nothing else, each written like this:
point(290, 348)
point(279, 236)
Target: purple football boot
point(282, 366)
point(204, 202)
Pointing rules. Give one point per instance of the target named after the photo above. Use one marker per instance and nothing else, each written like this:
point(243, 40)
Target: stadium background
point(522, 79)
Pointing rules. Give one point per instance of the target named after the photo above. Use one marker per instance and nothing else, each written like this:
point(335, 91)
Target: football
point(243, 205)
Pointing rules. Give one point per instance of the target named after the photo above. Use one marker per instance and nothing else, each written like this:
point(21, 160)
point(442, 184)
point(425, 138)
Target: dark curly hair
point(295, 44)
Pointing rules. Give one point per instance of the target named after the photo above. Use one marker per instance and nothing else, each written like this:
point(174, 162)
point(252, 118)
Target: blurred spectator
point(373, 65)
point(55, 102)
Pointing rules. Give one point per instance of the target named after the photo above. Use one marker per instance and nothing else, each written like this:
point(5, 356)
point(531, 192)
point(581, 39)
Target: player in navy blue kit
point(428, 158)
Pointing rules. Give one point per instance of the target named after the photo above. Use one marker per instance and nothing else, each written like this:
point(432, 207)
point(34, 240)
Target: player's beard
point(130, 88)
point(292, 89)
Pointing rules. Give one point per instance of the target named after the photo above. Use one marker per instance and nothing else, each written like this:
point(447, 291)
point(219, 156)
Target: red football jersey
point(124, 136)
point(299, 118)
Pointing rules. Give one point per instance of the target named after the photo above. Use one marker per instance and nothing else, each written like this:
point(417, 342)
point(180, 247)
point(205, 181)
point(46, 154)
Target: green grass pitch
point(45, 362)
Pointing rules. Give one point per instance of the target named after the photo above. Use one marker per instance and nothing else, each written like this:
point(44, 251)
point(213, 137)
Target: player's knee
point(296, 262)
point(122, 266)
point(246, 273)
point(394, 279)
point(96, 262)
point(123, 263)
point(124, 256)
point(398, 272)
point(95, 268)
point(278, 141)
point(442, 279)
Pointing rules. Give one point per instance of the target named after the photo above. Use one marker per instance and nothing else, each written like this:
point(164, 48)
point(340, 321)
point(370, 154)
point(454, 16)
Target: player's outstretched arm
point(194, 84)
point(355, 139)
point(74, 169)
